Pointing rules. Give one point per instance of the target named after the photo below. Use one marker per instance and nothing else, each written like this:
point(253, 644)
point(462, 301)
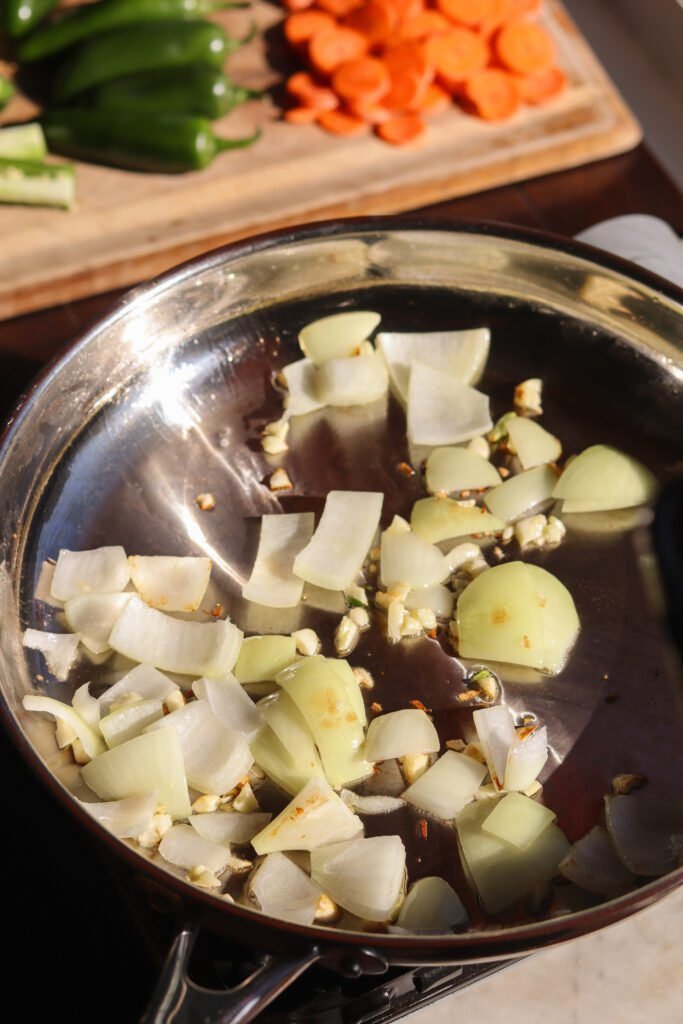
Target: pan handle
point(178, 1000)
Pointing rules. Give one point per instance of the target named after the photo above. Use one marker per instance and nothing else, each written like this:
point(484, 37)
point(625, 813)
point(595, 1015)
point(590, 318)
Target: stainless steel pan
point(163, 399)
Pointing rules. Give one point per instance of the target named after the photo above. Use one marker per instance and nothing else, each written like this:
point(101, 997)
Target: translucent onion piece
point(451, 470)
point(409, 731)
point(337, 336)
point(230, 704)
point(131, 720)
point(603, 478)
point(189, 648)
point(91, 741)
point(447, 786)
point(496, 732)
point(593, 864)
point(149, 763)
point(534, 445)
point(315, 817)
point(354, 381)
point(126, 818)
point(341, 541)
point(290, 727)
point(87, 707)
point(526, 759)
point(144, 680)
point(216, 758)
point(321, 696)
point(365, 876)
point(518, 820)
point(432, 906)
point(229, 826)
point(559, 618)
point(171, 583)
point(371, 804)
point(408, 558)
point(262, 657)
point(518, 495)
point(436, 519)
point(283, 890)
point(443, 410)
point(353, 689)
point(460, 354)
point(43, 591)
point(302, 395)
point(647, 833)
point(100, 571)
point(58, 649)
point(185, 848)
point(286, 771)
point(438, 598)
point(92, 616)
point(272, 582)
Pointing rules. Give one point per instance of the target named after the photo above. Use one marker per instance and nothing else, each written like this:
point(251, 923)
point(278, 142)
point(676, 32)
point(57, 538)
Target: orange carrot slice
point(405, 8)
point(409, 56)
point(301, 26)
point(301, 115)
point(401, 130)
point(371, 113)
point(524, 47)
point(375, 20)
point(427, 23)
point(338, 8)
point(467, 12)
point(363, 79)
point(335, 46)
point(541, 87)
point(340, 123)
point(308, 93)
point(456, 55)
point(406, 91)
point(493, 94)
point(435, 100)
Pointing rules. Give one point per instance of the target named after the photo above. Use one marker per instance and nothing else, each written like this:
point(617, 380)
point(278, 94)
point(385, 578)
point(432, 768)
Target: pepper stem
point(247, 140)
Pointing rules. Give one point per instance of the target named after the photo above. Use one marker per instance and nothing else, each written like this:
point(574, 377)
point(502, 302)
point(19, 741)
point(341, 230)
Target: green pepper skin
point(93, 19)
point(23, 15)
point(197, 89)
point(160, 143)
point(7, 91)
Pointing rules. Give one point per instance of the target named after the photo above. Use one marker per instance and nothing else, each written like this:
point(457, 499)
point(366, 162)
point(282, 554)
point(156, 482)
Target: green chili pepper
point(146, 47)
point(23, 15)
point(94, 19)
point(161, 143)
point(7, 91)
point(197, 89)
point(32, 183)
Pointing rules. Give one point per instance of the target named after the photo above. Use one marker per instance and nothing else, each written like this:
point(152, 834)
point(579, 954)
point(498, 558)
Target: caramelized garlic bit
point(363, 678)
point(507, 535)
point(480, 446)
point(457, 745)
point(413, 766)
point(503, 472)
point(395, 614)
point(278, 428)
point(206, 804)
point(528, 396)
point(426, 618)
point(361, 617)
point(539, 532)
point(156, 830)
point(272, 445)
point(463, 554)
point(245, 802)
point(307, 642)
point(410, 625)
point(201, 876)
point(175, 700)
point(555, 531)
point(355, 596)
point(487, 682)
point(327, 910)
point(205, 502)
point(398, 525)
point(627, 782)
point(346, 636)
point(279, 481)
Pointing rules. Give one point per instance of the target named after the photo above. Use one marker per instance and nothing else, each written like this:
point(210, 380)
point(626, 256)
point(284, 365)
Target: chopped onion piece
point(171, 583)
point(365, 876)
point(447, 786)
point(185, 848)
point(518, 820)
point(409, 731)
point(603, 478)
point(534, 445)
point(437, 598)
point(92, 743)
point(87, 707)
point(229, 826)
point(593, 864)
point(145, 680)
point(43, 591)
point(230, 704)
point(356, 380)
point(496, 731)
point(301, 380)
point(216, 758)
point(189, 648)
point(272, 582)
point(436, 519)
point(283, 890)
point(290, 773)
point(451, 470)
point(408, 558)
point(341, 541)
point(518, 495)
point(459, 354)
point(647, 833)
point(100, 571)
point(371, 804)
point(93, 616)
point(432, 906)
point(126, 818)
point(526, 759)
point(58, 649)
point(289, 725)
point(315, 817)
point(559, 618)
point(149, 763)
point(262, 657)
point(131, 720)
point(352, 686)
point(443, 410)
point(337, 336)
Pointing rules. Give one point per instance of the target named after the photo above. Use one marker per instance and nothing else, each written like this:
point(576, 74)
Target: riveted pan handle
point(178, 1000)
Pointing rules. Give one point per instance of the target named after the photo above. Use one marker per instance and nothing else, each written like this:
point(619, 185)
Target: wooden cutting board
point(130, 226)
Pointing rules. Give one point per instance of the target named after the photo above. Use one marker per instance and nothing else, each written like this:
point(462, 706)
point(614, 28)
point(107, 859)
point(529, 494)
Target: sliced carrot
point(335, 46)
point(304, 88)
point(409, 56)
point(427, 23)
point(401, 130)
point(375, 20)
point(298, 5)
point(363, 79)
point(406, 92)
point(524, 47)
point(467, 12)
point(371, 113)
point(435, 100)
point(543, 86)
point(340, 123)
point(405, 8)
point(301, 26)
point(338, 8)
point(493, 93)
point(301, 115)
point(456, 55)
